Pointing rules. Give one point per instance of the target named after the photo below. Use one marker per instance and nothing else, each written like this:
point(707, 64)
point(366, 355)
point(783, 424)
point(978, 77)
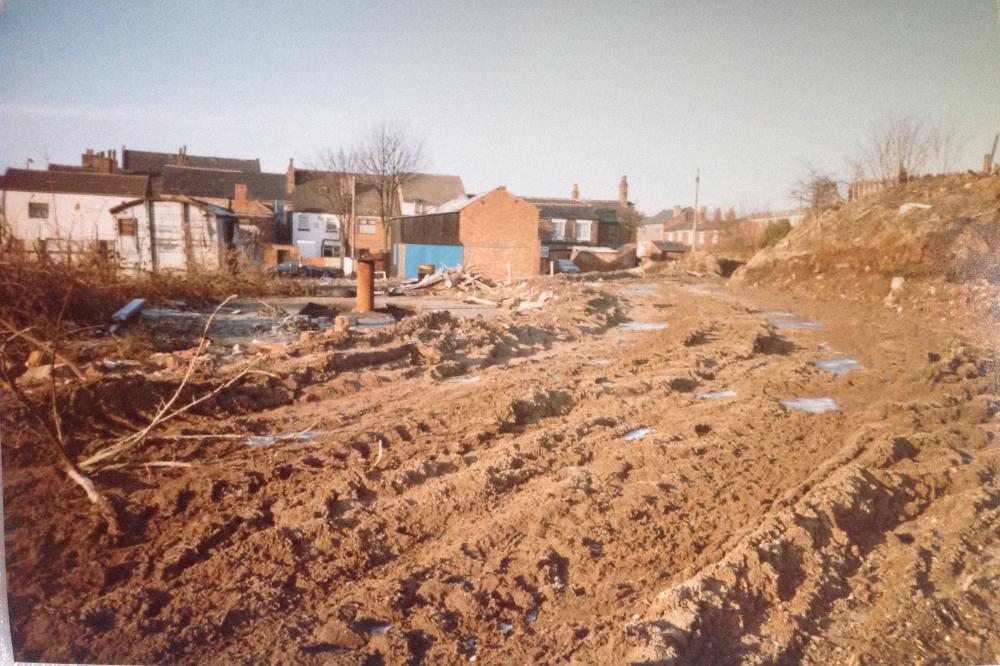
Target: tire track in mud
point(508, 519)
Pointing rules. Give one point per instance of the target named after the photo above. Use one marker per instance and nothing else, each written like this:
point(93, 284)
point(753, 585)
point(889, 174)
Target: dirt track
point(509, 520)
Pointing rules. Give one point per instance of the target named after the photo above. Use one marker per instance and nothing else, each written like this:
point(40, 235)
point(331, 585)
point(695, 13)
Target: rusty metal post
point(366, 285)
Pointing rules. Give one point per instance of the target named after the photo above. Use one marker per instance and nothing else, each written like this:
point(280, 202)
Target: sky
point(534, 95)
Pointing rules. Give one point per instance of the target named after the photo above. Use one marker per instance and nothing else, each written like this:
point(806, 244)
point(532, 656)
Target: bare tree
point(388, 157)
point(894, 150)
point(339, 190)
point(816, 189)
point(944, 142)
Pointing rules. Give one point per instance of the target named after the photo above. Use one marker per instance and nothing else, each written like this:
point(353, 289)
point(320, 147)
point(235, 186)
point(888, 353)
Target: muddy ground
point(456, 490)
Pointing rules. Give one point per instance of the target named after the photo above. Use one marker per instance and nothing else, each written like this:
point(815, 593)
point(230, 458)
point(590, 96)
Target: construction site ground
point(545, 486)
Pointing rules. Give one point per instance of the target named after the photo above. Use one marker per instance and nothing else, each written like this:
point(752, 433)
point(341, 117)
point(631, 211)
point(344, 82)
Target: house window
point(38, 210)
point(366, 227)
point(545, 252)
point(558, 229)
point(583, 230)
point(127, 226)
point(613, 233)
point(332, 224)
point(303, 222)
point(331, 250)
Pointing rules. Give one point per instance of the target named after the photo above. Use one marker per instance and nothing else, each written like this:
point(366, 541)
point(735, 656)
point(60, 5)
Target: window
point(558, 229)
point(545, 252)
point(701, 238)
point(303, 222)
point(366, 226)
point(613, 233)
point(127, 226)
point(583, 230)
point(332, 223)
point(38, 210)
point(331, 250)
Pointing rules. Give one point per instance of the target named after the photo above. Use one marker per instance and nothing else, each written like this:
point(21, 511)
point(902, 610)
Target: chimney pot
point(623, 193)
point(575, 194)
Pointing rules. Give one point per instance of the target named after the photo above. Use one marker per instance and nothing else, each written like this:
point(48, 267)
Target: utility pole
point(697, 182)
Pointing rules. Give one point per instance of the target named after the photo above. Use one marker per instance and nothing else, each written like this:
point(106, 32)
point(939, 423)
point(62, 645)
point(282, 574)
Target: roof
point(567, 209)
point(77, 182)
point(432, 189)
point(669, 246)
point(152, 163)
point(220, 183)
point(214, 210)
point(314, 194)
point(456, 204)
point(663, 217)
point(310, 193)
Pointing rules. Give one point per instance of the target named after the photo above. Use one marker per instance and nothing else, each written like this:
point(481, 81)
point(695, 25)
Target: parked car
point(299, 268)
point(565, 266)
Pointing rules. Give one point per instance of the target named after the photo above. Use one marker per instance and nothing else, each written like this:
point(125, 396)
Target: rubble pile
point(931, 246)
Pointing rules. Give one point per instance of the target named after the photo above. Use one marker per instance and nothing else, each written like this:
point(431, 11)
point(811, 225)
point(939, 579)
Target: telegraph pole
point(694, 237)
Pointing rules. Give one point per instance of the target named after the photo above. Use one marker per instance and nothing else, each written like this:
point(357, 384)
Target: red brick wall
point(374, 242)
point(499, 228)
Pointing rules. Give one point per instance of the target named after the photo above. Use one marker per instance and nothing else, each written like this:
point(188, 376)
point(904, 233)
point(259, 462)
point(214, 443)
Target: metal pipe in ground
point(366, 286)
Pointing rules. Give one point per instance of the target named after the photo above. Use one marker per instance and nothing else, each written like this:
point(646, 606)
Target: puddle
point(373, 322)
point(811, 405)
point(838, 366)
point(643, 325)
point(505, 627)
point(601, 361)
point(637, 433)
point(715, 395)
point(531, 616)
point(639, 290)
point(781, 314)
point(378, 629)
point(795, 323)
point(467, 379)
point(267, 440)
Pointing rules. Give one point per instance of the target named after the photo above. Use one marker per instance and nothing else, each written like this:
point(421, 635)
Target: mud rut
point(508, 521)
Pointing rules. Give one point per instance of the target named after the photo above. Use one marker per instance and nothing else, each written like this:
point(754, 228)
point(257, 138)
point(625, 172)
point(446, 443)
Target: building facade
point(494, 234)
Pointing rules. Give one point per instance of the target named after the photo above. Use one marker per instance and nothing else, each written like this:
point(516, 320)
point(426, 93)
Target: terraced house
point(568, 223)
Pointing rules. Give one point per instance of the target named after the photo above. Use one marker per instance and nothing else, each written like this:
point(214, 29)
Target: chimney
point(678, 211)
point(717, 216)
point(290, 177)
point(623, 193)
point(182, 158)
point(703, 214)
point(240, 197)
point(575, 194)
point(99, 162)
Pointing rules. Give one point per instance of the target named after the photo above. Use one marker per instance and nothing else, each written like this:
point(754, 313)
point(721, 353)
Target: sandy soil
point(475, 490)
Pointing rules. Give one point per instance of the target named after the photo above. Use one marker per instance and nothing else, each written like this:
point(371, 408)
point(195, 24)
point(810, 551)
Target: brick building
point(490, 233)
point(678, 226)
point(565, 223)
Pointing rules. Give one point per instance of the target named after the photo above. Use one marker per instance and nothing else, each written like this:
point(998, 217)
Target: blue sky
point(532, 95)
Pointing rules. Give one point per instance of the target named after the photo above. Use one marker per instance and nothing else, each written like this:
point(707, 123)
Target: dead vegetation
point(940, 236)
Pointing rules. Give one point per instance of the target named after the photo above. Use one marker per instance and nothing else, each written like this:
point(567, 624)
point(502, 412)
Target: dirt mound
point(941, 235)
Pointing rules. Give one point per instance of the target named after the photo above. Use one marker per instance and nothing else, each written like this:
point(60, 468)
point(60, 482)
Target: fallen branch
point(55, 439)
point(16, 333)
point(165, 412)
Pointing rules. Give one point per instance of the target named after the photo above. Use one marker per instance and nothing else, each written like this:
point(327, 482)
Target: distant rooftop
point(76, 182)
point(153, 163)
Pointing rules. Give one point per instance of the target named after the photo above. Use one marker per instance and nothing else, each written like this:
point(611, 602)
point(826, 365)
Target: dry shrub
point(32, 292)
